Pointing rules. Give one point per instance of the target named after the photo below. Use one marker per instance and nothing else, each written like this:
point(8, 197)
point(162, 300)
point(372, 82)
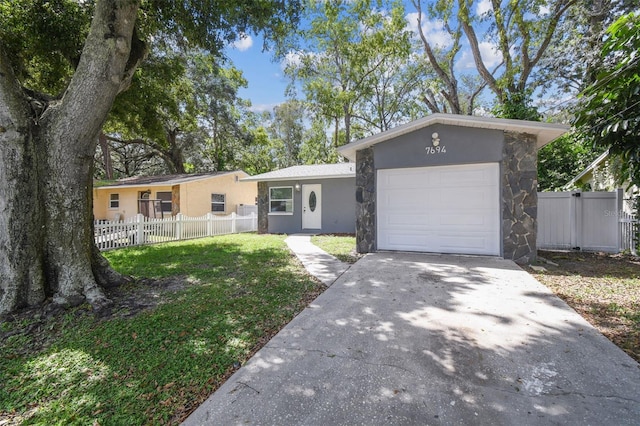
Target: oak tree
point(49, 126)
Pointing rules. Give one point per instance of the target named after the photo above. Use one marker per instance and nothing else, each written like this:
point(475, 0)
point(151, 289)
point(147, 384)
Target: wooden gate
point(579, 220)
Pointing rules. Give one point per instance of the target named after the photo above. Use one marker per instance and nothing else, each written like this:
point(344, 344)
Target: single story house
point(598, 176)
point(313, 198)
point(450, 184)
point(161, 196)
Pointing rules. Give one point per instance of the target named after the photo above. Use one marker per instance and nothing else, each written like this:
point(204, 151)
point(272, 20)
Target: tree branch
point(101, 73)
point(559, 11)
point(449, 81)
point(475, 49)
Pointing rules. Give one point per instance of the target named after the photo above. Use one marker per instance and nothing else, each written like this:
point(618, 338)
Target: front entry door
point(312, 206)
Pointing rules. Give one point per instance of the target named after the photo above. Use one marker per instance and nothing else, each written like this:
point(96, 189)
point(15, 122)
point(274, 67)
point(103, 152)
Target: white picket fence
point(144, 230)
point(629, 231)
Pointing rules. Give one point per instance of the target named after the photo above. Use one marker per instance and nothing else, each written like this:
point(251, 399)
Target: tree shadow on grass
point(592, 264)
point(216, 302)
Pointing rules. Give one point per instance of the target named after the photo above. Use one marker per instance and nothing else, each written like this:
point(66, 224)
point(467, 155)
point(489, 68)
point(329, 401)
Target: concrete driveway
point(432, 339)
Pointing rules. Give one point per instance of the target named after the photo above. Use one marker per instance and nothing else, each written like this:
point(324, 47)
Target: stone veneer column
point(263, 208)
point(365, 202)
point(519, 197)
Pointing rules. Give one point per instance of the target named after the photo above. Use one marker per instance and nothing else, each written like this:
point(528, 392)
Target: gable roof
point(595, 163)
point(545, 132)
point(325, 171)
point(165, 180)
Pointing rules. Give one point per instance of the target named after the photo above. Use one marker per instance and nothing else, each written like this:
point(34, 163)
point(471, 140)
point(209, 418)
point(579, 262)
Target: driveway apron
point(432, 339)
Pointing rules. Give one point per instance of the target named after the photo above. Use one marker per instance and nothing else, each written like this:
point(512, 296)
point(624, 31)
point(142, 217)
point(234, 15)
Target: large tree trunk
point(46, 151)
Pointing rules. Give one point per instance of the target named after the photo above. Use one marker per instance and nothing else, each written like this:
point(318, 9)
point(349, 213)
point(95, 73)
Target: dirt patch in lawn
point(603, 288)
point(43, 322)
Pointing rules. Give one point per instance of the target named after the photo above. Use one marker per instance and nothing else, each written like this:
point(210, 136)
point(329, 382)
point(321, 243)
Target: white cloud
point(263, 107)
point(292, 59)
point(434, 30)
point(483, 7)
point(544, 10)
point(243, 43)
point(491, 56)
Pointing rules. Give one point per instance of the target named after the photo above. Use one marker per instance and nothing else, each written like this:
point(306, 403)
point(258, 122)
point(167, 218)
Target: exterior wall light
point(435, 139)
point(297, 186)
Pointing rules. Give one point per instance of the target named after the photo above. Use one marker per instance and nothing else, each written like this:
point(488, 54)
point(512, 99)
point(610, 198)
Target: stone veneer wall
point(263, 208)
point(519, 197)
point(365, 202)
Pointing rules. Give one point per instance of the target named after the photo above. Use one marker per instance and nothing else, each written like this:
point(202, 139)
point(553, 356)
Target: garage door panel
point(447, 209)
point(439, 242)
point(462, 221)
point(460, 177)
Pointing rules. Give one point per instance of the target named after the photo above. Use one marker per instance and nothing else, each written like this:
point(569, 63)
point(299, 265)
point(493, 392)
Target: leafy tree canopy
point(44, 39)
point(610, 111)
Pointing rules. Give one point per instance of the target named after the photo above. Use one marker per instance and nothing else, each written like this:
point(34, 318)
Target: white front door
point(312, 206)
point(443, 209)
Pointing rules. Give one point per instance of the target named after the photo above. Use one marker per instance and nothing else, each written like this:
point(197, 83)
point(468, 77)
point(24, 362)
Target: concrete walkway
point(317, 262)
point(417, 339)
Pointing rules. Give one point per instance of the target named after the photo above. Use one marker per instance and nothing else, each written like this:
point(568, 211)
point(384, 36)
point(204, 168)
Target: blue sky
point(267, 82)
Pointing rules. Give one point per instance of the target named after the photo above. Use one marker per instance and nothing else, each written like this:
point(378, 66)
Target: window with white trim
point(218, 203)
point(281, 200)
point(114, 201)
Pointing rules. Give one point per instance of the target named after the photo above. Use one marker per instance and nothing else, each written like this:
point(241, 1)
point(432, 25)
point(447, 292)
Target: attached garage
point(450, 184)
point(443, 209)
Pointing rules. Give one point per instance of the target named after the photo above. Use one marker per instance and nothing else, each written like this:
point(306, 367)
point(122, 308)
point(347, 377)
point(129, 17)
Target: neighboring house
point(598, 176)
point(161, 196)
point(450, 184)
point(314, 198)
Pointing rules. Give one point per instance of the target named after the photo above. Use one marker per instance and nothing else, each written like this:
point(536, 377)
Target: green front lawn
point(211, 304)
point(342, 247)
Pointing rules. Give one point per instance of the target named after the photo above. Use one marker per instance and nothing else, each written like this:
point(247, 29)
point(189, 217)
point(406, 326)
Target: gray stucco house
point(450, 184)
point(315, 199)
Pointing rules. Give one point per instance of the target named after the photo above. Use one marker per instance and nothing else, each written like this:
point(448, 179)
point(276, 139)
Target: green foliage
point(287, 130)
point(609, 114)
point(562, 160)
point(516, 106)
point(44, 40)
point(317, 147)
point(342, 53)
point(152, 367)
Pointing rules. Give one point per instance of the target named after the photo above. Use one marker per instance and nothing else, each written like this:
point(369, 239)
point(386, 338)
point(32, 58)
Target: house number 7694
point(436, 149)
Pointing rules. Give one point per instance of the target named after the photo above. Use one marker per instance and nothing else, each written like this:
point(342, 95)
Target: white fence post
point(139, 229)
point(178, 226)
point(233, 222)
point(209, 224)
point(619, 214)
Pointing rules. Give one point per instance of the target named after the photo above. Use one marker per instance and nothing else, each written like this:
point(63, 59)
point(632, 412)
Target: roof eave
point(171, 182)
point(545, 132)
point(281, 178)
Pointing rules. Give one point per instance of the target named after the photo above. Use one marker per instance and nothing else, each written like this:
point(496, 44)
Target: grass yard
point(342, 247)
point(204, 307)
point(604, 289)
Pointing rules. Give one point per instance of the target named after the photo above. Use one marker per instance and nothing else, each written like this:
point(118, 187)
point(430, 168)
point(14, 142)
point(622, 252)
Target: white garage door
point(443, 209)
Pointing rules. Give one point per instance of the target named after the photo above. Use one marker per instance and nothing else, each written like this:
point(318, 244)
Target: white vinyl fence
point(144, 230)
point(590, 221)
